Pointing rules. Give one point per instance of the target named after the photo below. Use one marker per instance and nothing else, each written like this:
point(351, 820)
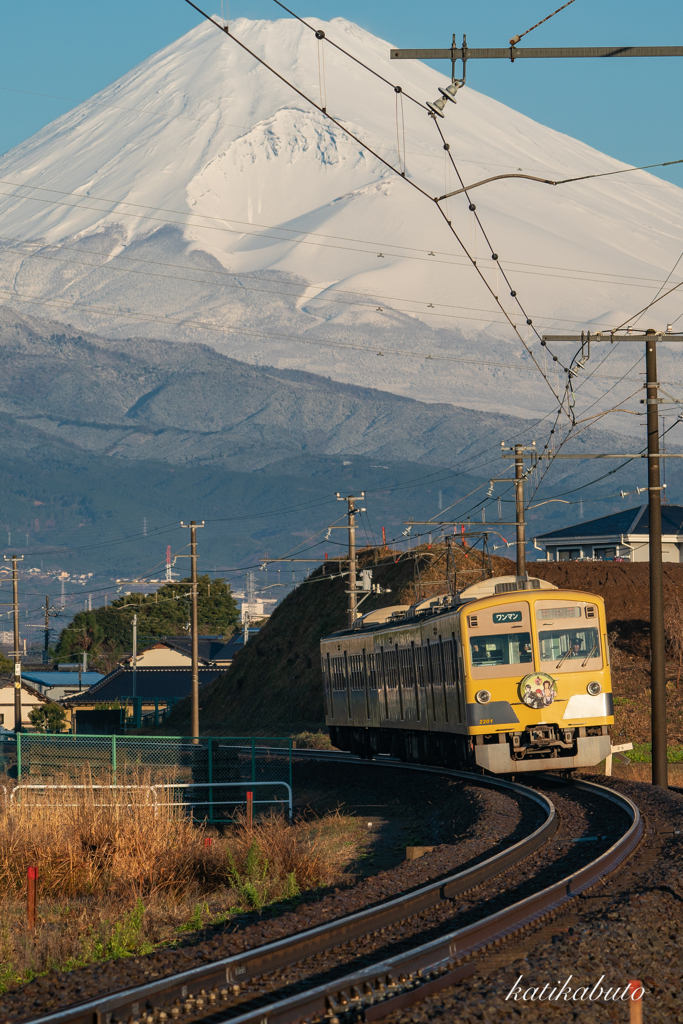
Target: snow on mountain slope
point(199, 198)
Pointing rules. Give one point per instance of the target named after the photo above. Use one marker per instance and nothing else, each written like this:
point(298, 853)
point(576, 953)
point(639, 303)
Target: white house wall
point(28, 702)
point(633, 549)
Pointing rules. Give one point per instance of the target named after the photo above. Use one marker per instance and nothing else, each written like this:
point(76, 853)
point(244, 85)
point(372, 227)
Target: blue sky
point(627, 108)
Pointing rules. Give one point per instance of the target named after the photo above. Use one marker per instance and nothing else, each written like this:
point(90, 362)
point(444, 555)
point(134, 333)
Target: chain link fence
point(210, 774)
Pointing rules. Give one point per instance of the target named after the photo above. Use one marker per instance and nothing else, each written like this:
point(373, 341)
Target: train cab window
point(500, 640)
point(501, 649)
point(569, 649)
point(565, 643)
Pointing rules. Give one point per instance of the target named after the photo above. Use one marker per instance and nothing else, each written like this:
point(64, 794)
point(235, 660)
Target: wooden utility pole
point(194, 628)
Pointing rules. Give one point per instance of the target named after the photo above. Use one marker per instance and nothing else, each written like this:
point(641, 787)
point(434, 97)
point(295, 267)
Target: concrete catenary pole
point(519, 504)
point(17, 647)
point(657, 644)
point(194, 631)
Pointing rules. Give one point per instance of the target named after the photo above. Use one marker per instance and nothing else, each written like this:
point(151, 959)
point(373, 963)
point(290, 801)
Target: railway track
point(364, 965)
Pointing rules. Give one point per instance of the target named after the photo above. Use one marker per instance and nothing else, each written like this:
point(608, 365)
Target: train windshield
point(500, 649)
point(569, 649)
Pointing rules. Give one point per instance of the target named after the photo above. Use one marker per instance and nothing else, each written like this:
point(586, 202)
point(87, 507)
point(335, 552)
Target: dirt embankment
point(273, 687)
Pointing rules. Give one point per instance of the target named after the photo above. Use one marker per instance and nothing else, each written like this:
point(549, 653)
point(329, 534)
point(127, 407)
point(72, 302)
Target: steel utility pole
point(194, 628)
point(352, 591)
point(17, 647)
point(657, 639)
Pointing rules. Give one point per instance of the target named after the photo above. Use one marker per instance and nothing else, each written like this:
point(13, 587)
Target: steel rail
point(205, 989)
point(411, 976)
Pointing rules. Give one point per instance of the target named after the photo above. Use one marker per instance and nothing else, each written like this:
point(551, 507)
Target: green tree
point(107, 633)
point(47, 717)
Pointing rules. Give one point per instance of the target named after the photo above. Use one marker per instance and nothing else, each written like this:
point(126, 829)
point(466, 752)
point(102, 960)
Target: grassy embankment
point(118, 880)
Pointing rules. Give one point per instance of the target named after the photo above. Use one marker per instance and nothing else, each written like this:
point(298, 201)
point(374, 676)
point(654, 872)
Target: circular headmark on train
point(537, 690)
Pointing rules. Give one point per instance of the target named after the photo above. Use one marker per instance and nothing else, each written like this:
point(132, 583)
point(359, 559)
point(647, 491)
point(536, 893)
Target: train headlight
point(482, 696)
point(594, 688)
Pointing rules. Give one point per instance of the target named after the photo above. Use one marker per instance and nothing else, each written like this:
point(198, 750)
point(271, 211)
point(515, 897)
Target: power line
point(549, 181)
point(365, 145)
point(424, 255)
point(370, 302)
point(319, 34)
point(516, 39)
point(249, 332)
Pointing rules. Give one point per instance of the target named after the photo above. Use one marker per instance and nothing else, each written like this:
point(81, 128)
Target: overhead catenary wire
point(413, 184)
point(516, 39)
point(321, 35)
point(249, 332)
point(550, 181)
point(470, 258)
point(98, 101)
point(369, 301)
point(311, 238)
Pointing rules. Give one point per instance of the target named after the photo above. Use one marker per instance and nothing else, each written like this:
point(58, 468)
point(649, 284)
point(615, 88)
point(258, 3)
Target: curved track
point(214, 991)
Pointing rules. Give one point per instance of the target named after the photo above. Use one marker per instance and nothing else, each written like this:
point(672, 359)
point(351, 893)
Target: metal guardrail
point(153, 791)
point(232, 803)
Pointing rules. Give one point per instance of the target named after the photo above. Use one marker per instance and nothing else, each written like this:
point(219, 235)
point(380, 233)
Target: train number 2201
point(485, 721)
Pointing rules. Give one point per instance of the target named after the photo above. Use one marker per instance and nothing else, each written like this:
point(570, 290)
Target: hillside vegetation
point(274, 688)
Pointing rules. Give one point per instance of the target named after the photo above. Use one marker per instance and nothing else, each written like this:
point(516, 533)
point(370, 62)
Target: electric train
point(509, 675)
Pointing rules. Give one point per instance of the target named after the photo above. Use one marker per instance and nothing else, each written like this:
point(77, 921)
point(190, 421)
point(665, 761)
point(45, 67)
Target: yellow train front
point(509, 675)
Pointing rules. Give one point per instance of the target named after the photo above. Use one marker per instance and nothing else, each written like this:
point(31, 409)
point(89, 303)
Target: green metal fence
point(209, 773)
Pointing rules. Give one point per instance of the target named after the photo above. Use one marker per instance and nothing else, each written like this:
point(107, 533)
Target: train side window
point(356, 671)
point(338, 677)
point(391, 668)
point(429, 664)
point(437, 663)
point(372, 671)
point(449, 662)
point(405, 662)
point(420, 666)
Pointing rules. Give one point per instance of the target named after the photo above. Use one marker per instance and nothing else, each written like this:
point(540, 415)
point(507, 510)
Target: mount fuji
point(199, 198)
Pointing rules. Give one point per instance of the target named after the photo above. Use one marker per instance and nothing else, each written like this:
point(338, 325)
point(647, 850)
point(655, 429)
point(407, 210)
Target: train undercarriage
point(545, 747)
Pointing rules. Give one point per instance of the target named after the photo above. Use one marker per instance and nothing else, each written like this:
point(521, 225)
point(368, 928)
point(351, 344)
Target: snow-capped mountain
point(199, 198)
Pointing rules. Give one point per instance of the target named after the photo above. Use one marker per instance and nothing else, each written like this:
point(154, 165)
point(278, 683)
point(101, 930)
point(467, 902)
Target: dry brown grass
point(118, 879)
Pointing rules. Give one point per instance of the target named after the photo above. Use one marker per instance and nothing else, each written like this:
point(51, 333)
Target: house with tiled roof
point(624, 535)
point(162, 675)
